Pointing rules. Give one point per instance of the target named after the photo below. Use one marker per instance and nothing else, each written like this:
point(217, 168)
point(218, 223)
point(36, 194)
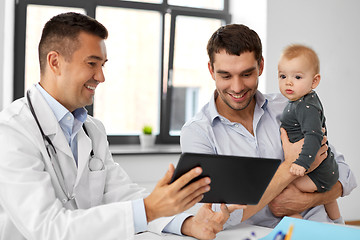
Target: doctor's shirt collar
point(59, 110)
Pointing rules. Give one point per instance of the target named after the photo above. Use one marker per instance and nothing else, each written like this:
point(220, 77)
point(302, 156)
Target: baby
point(303, 117)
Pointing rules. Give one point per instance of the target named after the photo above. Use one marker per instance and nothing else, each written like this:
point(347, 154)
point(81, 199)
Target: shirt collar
point(261, 101)
point(59, 110)
point(214, 114)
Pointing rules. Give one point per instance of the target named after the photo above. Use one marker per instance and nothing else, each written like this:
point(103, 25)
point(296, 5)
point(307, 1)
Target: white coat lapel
point(84, 149)
point(48, 122)
point(51, 128)
point(66, 159)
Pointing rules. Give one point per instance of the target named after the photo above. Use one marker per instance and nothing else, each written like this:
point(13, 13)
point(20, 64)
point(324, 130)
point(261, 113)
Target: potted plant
point(147, 139)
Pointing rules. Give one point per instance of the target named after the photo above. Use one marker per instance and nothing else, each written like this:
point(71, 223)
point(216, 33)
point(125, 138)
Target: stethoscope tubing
point(95, 164)
point(55, 165)
point(45, 137)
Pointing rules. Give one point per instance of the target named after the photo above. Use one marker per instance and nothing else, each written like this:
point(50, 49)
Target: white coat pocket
point(97, 181)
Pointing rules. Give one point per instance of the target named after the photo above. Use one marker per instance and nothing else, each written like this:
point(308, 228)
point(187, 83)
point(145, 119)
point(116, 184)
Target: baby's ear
point(316, 81)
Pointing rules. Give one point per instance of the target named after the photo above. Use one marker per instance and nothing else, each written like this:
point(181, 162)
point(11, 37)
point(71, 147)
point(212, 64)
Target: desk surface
point(240, 232)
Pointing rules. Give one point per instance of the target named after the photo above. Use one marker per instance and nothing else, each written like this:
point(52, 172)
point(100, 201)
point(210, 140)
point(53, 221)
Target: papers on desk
point(305, 229)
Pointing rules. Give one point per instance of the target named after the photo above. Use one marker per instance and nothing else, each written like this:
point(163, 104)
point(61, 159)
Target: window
point(36, 17)
point(157, 70)
point(191, 83)
point(132, 72)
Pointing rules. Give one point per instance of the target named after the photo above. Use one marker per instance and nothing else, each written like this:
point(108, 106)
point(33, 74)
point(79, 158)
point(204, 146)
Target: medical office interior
point(328, 26)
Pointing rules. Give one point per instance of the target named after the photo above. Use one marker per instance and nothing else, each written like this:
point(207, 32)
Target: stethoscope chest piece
point(95, 164)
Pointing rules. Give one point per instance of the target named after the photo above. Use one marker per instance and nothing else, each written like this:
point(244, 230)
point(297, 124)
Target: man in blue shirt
point(240, 120)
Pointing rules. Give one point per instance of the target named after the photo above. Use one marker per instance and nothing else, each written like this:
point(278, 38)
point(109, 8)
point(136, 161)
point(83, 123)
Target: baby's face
point(296, 77)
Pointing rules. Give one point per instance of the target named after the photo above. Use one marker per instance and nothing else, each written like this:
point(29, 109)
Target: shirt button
point(68, 118)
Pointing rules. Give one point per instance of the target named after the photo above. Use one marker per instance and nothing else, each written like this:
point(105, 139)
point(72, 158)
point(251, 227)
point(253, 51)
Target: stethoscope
point(95, 164)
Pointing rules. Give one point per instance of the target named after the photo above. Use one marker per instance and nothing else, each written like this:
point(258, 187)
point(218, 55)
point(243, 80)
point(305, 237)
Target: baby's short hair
point(296, 50)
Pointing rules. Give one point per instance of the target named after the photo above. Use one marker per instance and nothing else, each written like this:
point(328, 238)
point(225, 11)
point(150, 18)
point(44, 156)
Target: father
point(240, 120)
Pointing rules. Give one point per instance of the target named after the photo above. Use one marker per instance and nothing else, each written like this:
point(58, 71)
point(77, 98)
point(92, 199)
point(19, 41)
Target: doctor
point(57, 176)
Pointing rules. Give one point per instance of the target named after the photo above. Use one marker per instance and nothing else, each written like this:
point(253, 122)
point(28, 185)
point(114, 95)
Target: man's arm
point(292, 200)
point(281, 179)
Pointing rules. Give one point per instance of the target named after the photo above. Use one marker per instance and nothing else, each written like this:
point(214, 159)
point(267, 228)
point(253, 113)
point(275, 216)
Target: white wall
point(252, 14)
point(331, 28)
point(2, 21)
point(6, 51)
point(146, 170)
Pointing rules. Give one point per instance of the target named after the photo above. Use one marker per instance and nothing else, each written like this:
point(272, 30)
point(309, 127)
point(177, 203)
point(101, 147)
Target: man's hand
point(297, 170)
point(291, 201)
point(207, 223)
point(169, 199)
point(291, 150)
point(321, 154)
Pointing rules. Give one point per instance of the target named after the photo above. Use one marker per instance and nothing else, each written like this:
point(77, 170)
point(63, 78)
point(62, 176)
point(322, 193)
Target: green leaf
point(147, 129)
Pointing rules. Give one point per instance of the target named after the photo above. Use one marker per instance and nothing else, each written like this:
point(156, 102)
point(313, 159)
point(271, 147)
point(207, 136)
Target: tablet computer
point(234, 179)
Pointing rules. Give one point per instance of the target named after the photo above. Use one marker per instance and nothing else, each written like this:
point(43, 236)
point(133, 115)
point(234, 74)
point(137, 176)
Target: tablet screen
point(234, 179)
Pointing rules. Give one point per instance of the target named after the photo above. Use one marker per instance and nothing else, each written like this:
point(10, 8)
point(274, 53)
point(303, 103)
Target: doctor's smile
point(91, 88)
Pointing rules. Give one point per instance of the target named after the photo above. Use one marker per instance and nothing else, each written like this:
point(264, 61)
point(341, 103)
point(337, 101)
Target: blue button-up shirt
point(69, 122)
point(209, 132)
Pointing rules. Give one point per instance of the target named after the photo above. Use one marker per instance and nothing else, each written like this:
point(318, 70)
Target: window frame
point(89, 6)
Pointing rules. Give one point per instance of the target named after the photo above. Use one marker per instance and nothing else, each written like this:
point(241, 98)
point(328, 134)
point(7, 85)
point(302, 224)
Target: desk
point(239, 232)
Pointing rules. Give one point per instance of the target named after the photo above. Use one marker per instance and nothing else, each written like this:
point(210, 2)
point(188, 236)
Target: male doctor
point(57, 177)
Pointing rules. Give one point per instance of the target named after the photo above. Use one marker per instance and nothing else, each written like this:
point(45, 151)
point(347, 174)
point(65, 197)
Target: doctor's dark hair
point(61, 33)
point(235, 39)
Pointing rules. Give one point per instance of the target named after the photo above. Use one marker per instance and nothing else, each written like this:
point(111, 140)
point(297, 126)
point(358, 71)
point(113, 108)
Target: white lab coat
point(31, 204)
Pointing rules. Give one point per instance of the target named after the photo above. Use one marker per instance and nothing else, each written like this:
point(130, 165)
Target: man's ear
point(261, 67)
point(53, 62)
point(316, 81)
point(211, 70)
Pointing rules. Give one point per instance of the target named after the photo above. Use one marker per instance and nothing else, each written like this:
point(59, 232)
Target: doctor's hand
point(207, 223)
point(169, 199)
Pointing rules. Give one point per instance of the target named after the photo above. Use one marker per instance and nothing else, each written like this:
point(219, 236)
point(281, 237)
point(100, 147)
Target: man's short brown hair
point(235, 39)
point(61, 33)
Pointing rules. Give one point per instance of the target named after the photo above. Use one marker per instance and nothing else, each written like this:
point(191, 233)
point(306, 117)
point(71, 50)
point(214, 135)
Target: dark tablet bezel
point(234, 179)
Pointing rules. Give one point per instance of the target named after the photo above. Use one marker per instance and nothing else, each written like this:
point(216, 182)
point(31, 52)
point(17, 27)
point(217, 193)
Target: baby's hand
point(297, 170)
